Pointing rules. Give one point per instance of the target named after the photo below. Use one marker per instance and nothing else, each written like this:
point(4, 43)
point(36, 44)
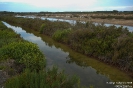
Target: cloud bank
point(66, 5)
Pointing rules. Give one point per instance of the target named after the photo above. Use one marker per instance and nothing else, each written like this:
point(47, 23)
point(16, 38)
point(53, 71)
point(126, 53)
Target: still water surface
point(90, 71)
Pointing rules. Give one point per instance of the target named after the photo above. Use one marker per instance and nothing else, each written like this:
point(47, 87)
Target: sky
point(65, 5)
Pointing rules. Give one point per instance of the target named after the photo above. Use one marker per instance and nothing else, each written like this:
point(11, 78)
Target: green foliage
point(2, 27)
point(61, 35)
point(7, 35)
point(109, 44)
point(42, 28)
point(43, 79)
point(24, 52)
point(123, 52)
point(12, 46)
point(105, 43)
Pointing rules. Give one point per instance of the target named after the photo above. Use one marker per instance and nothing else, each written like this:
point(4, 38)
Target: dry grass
point(109, 21)
point(98, 20)
point(115, 21)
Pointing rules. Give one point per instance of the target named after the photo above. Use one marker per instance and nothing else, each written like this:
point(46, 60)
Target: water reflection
point(71, 59)
point(72, 62)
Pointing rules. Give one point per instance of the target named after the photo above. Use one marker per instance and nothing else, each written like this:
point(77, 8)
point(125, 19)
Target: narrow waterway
point(130, 28)
point(90, 71)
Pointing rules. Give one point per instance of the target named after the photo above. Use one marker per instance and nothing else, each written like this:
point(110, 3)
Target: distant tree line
point(67, 12)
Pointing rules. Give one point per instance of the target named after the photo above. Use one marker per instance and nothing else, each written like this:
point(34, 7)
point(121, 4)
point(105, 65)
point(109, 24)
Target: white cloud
point(33, 38)
point(56, 3)
point(72, 5)
point(124, 8)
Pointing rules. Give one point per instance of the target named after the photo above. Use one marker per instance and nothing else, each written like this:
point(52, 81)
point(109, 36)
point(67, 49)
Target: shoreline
point(108, 21)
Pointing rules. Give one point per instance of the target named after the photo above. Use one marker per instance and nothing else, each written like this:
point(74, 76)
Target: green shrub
point(42, 28)
point(2, 26)
point(26, 53)
point(43, 79)
point(90, 39)
point(7, 35)
point(61, 35)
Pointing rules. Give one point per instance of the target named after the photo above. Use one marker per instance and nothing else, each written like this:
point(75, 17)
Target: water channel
point(130, 28)
point(89, 70)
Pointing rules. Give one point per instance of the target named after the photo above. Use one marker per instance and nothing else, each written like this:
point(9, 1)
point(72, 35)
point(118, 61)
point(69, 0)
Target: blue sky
point(65, 5)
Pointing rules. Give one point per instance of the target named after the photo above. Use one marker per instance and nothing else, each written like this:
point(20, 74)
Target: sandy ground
point(110, 21)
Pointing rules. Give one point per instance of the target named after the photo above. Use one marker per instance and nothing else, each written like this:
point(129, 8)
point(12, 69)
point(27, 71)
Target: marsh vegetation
point(111, 44)
point(24, 64)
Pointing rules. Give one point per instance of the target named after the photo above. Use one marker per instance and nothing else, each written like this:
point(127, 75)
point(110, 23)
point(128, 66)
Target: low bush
point(7, 35)
point(26, 53)
point(97, 40)
point(26, 61)
point(42, 28)
point(43, 79)
point(61, 35)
